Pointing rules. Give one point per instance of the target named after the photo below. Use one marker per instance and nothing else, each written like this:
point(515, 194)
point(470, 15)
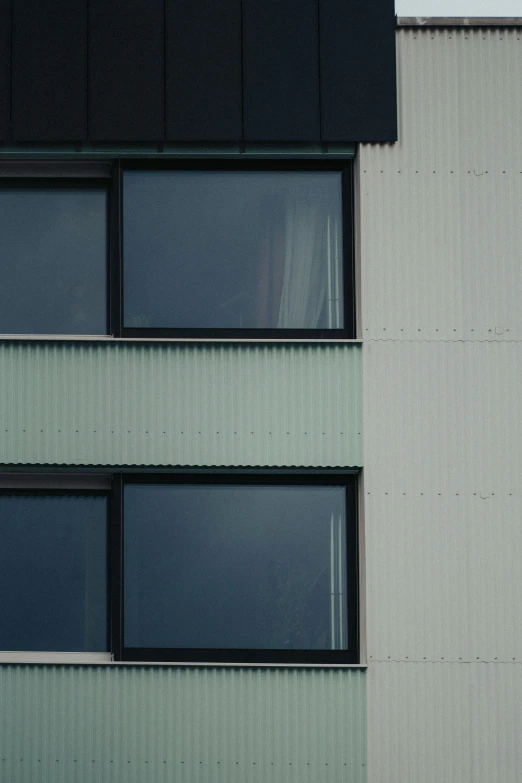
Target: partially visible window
point(249, 251)
point(230, 569)
point(53, 255)
point(53, 571)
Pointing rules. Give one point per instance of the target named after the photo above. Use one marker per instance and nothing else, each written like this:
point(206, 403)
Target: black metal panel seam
point(164, 71)
point(319, 68)
point(87, 55)
point(242, 76)
point(10, 123)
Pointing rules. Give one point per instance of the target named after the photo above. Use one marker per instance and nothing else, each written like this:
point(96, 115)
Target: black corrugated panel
point(281, 70)
point(126, 67)
point(203, 51)
point(49, 70)
point(5, 68)
point(358, 82)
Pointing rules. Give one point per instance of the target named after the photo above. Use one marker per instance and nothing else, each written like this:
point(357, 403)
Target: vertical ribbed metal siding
point(443, 415)
point(441, 281)
point(173, 404)
point(440, 210)
point(444, 723)
point(146, 725)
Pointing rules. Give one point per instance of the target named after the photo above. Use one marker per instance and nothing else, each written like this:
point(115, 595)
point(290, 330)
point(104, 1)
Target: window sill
point(95, 338)
point(105, 659)
point(55, 657)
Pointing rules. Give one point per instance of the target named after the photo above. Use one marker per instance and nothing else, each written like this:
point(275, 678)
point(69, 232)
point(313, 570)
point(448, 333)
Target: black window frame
point(99, 183)
point(233, 655)
point(345, 168)
point(36, 491)
point(205, 477)
point(112, 184)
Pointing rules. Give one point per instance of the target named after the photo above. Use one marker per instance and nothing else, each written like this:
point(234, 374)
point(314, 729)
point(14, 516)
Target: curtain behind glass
point(310, 297)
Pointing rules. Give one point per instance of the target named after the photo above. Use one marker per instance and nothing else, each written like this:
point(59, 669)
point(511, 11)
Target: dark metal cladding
point(358, 82)
point(149, 71)
point(49, 70)
point(5, 68)
point(126, 67)
point(203, 70)
point(281, 70)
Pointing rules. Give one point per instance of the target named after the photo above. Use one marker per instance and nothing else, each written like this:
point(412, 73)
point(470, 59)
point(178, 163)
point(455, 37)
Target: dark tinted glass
point(53, 573)
point(245, 567)
point(256, 250)
point(53, 256)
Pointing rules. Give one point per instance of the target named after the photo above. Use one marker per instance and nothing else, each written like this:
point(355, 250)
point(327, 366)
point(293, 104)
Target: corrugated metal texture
point(443, 493)
point(145, 725)
point(457, 723)
point(443, 417)
point(443, 576)
point(440, 211)
point(441, 278)
point(178, 404)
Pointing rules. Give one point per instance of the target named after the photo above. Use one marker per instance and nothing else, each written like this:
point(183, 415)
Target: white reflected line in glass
point(336, 582)
point(333, 273)
point(336, 277)
point(332, 582)
point(329, 270)
point(340, 578)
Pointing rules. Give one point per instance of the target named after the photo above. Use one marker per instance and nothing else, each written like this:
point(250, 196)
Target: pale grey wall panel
point(192, 725)
point(443, 499)
point(441, 279)
point(443, 417)
point(172, 404)
point(457, 723)
point(440, 210)
point(443, 576)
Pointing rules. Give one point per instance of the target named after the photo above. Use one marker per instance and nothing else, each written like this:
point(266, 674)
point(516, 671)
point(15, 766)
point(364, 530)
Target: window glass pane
point(246, 567)
point(256, 250)
point(53, 573)
point(53, 255)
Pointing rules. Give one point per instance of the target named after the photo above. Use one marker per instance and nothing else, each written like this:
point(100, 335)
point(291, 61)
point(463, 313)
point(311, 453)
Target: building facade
point(303, 467)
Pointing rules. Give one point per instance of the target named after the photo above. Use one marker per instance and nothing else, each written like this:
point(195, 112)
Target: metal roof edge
point(318, 150)
point(459, 21)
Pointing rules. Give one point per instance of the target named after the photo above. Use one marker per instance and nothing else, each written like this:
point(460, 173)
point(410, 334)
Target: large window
point(178, 250)
point(203, 568)
point(53, 255)
point(239, 569)
point(234, 251)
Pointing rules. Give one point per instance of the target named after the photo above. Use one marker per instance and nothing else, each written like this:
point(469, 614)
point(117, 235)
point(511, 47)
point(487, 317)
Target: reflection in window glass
point(243, 567)
point(53, 573)
point(236, 250)
point(53, 254)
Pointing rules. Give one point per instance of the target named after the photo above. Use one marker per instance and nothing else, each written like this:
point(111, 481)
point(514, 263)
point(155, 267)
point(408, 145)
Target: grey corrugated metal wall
point(210, 725)
point(441, 317)
point(176, 404)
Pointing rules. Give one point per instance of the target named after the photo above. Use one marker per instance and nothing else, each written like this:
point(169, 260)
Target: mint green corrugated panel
point(104, 403)
point(68, 724)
